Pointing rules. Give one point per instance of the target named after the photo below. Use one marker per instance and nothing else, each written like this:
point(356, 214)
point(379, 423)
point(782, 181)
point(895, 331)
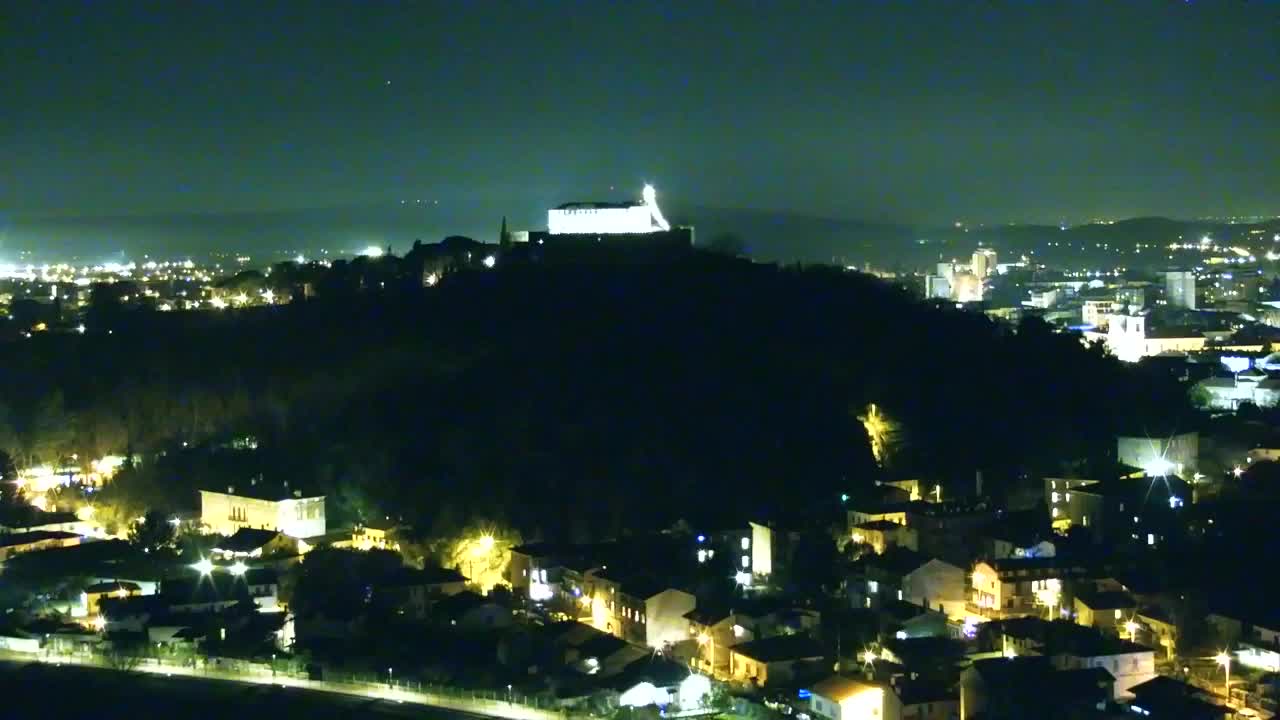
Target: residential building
point(984, 262)
point(1106, 611)
point(470, 611)
point(263, 586)
point(842, 698)
point(775, 660)
point(248, 543)
point(902, 574)
point(374, 535)
point(637, 609)
point(1139, 510)
point(714, 631)
point(93, 594)
point(1229, 393)
point(1160, 456)
point(1096, 313)
point(416, 591)
point(1164, 698)
point(1253, 628)
point(1031, 687)
point(883, 534)
point(1070, 647)
point(19, 542)
point(265, 507)
point(937, 287)
point(1018, 587)
point(1180, 289)
point(1158, 628)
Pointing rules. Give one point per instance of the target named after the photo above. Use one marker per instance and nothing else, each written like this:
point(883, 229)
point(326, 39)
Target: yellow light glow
point(880, 430)
point(1222, 658)
point(85, 513)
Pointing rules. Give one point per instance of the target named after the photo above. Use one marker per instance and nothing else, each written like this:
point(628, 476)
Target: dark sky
point(911, 111)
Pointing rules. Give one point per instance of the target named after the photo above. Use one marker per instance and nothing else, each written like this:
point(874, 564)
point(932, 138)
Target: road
point(66, 689)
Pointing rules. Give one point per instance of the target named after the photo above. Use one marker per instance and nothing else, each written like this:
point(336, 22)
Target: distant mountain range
point(768, 235)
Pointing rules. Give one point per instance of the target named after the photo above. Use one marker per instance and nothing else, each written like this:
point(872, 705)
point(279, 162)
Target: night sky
point(913, 112)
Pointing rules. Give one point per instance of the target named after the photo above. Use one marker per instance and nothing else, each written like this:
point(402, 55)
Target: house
point(175, 637)
point(921, 700)
point(1164, 698)
point(1156, 626)
point(883, 534)
point(775, 660)
point(1017, 535)
point(660, 682)
point(93, 594)
point(903, 574)
point(637, 608)
point(757, 550)
point(19, 542)
point(909, 620)
point(263, 586)
point(1015, 587)
point(842, 698)
point(1069, 646)
point(1142, 510)
point(931, 657)
point(247, 543)
point(19, 641)
point(470, 611)
point(1031, 688)
point(714, 631)
point(200, 593)
point(375, 535)
point(264, 506)
point(130, 614)
point(1254, 629)
point(415, 591)
point(1106, 611)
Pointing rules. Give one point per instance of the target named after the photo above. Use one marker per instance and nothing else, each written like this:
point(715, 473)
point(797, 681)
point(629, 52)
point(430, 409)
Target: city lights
point(204, 566)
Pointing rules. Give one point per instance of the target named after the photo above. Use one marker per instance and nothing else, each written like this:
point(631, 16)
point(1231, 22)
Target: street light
point(204, 567)
point(390, 677)
point(1132, 628)
point(238, 568)
point(1224, 659)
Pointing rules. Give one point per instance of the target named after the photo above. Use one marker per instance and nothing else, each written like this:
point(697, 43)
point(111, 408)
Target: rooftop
point(246, 540)
point(879, 525)
point(840, 688)
point(25, 538)
point(897, 561)
point(782, 647)
point(264, 491)
point(1066, 638)
point(1105, 600)
point(113, 587)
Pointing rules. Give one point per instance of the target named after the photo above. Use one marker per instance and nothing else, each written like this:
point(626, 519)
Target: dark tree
point(153, 532)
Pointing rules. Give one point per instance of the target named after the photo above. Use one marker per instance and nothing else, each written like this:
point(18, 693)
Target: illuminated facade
point(1180, 289)
point(841, 698)
point(636, 610)
point(1160, 456)
point(592, 218)
point(295, 516)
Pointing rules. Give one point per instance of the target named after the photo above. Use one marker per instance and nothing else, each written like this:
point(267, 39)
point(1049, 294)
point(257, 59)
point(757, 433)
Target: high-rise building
point(937, 287)
point(1180, 288)
point(983, 262)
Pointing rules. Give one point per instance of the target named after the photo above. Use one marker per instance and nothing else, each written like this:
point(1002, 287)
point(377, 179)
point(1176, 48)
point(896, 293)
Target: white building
point(1250, 386)
point(263, 508)
point(1159, 456)
point(592, 218)
point(937, 287)
point(984, 262)
point(1180, 288)
point(1097, 312)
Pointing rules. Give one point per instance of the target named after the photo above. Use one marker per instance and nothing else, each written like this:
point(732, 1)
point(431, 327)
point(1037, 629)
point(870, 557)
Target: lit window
point(1053, 484)
point(702, 556)
point(899, 594)
point(746, 543)
point(1117, 614)
point(1054, 512)
point(1151, 539)
point(873, 586)
point(1055, 497)
point(746, 560)
point(1068, 497)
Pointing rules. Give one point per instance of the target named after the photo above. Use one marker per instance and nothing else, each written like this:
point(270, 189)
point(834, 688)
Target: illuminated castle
point(594, 218)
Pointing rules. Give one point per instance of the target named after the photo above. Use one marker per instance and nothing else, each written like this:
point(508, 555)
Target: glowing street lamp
point(868, 657)
point(238, 568)
point(1131, 627)
point(1224, 659)
point(204, 567)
